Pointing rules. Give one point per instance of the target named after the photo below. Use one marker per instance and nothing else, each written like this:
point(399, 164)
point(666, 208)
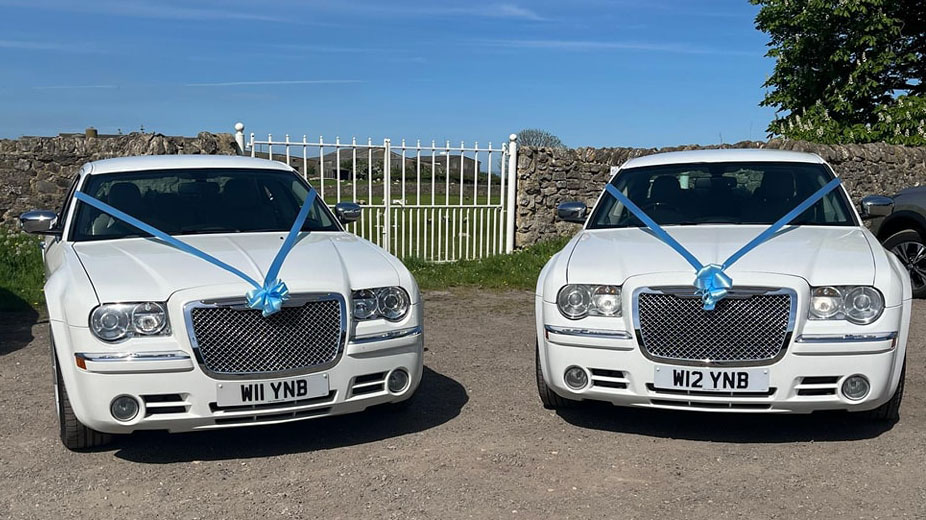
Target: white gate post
point(239, 136)
point(387, 194)
point(512, 182)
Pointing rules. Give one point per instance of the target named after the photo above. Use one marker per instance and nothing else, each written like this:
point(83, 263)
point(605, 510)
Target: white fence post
point(512, 181)
point(387, 194)
point(239, 136)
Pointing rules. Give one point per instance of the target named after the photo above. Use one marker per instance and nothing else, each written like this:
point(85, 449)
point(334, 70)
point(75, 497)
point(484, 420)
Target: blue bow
point(267, 298)
point(712, 285)
point(711, 282)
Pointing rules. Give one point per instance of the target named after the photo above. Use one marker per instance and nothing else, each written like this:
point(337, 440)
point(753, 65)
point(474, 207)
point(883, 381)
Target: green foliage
point(518, 270)
point(21, 272)
point(846, 70)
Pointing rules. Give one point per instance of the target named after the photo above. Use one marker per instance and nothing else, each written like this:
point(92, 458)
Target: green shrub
point(21, 271)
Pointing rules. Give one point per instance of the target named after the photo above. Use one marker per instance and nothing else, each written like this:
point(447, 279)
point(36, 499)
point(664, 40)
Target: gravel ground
point(475, 444)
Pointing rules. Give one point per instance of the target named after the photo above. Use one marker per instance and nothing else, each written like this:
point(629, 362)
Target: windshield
point(185, 202)
point(723, 193)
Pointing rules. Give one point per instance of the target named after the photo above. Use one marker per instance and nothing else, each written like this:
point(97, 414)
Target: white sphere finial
point(513, 137)
point(239, 126)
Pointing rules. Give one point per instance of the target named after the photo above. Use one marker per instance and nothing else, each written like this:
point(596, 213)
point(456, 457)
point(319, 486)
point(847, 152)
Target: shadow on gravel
point(15, 326)
point(724, 427)
point(438, 400)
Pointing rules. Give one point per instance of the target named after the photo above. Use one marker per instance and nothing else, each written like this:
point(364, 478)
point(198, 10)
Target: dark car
point(899, 222)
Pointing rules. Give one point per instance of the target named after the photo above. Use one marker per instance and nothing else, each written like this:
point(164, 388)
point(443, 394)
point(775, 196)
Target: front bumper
point(807, 378)
point(176, 395)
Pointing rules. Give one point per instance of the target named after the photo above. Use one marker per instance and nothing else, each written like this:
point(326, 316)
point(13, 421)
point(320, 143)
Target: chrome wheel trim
point(913, 256)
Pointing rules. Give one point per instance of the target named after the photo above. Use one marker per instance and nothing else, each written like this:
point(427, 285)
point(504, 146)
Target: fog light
point(398, 381)
point(124, 408)
point(576, 378)
point(855, 387)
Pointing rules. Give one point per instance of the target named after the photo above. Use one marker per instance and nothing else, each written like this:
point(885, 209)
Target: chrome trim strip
point(128, 357)
point(393, 334)
point(735, 293)
point(295, 300)
point(846, 338)
point(591, 333)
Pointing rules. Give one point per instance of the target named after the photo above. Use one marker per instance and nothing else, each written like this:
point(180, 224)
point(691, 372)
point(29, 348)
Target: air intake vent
point(160, 404)
point(368, 384)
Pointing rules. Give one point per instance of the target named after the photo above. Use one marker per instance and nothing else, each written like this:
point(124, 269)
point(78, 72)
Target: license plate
point(251, 392)
point(711, 379)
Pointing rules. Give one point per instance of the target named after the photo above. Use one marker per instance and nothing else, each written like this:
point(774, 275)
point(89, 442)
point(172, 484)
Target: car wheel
point(889, 412)
point(74, 435)
point(910, 248)
point(550, 399)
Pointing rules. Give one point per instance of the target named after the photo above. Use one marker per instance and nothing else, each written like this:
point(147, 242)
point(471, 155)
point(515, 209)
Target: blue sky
point(594, 72)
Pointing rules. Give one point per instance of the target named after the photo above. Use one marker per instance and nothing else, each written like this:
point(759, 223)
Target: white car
point(146, 336)
point(816, 319)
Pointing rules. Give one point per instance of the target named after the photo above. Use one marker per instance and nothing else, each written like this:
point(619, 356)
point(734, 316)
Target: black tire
point(889, 412)
point(910, 248)
point(550, 399)
point(74, 435)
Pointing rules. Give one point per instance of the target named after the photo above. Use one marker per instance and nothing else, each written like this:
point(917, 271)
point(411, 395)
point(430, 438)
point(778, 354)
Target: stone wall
point(35, 172)
point(547, 177)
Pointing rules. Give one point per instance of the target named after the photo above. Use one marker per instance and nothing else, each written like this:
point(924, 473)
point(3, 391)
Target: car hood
point(145, 269)
point(820, 255)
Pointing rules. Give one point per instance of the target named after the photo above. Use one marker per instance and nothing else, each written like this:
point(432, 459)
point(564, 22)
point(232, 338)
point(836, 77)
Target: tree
point(847, 70)
point(539, 139)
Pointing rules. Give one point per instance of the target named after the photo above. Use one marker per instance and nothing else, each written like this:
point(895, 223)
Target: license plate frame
point(711, 379)
point(256, 392)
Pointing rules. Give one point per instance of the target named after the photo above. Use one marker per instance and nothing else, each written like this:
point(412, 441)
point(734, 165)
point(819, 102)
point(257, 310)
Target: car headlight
point(391, 303)
point(577, 301)
point(858, 304)
point(116, 321)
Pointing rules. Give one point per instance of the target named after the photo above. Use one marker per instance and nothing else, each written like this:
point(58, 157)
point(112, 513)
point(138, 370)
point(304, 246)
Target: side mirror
point(572, 212)
point(347, 212)
point(874, 206)
point(39, 222)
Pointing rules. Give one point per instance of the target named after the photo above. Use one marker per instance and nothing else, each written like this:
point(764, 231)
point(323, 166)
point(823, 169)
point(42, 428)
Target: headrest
point(125, 196)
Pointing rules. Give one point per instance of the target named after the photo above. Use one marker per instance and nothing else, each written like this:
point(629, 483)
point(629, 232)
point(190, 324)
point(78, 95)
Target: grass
point(21, 271)
point(518, 270)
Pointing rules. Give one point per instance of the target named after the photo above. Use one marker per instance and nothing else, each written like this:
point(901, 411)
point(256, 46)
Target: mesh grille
point(748, 329)
point(233, 341)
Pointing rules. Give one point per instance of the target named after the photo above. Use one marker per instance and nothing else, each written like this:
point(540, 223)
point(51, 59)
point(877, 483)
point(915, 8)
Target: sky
point(594, 72)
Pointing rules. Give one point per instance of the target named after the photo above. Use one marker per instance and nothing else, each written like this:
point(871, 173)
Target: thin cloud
point(29, 45)
point(159, 10)
point(394, 9)
point(74, 87)
point(275, 82)
point(590, 45)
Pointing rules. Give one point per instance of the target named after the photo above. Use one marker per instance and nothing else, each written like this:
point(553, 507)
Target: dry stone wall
point(35, 172)
point(547, 177)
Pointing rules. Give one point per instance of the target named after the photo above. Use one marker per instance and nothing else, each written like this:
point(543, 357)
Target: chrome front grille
point(749, 327)
point(232, 340)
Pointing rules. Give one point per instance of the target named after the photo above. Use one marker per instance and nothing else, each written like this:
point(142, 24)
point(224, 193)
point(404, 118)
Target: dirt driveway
point(476, 444)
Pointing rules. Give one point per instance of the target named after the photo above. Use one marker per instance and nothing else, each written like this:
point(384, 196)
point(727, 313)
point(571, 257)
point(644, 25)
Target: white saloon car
point(816, 319)
point(145, 336)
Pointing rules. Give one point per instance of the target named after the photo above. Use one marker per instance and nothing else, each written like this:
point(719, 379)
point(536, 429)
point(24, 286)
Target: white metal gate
point(436, 203)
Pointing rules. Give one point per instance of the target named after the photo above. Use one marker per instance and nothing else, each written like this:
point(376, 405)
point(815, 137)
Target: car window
point(198, 201)
point(723, 193)
point(66, 204)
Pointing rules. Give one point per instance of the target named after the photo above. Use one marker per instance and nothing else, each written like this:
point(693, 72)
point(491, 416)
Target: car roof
point(175, 162)
point(723, 155)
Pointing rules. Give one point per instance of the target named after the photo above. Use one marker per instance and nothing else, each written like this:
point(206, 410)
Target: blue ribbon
point(711, 282)
point(267, 297)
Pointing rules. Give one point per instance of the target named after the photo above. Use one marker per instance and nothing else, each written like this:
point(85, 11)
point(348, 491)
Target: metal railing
point(436, 203)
